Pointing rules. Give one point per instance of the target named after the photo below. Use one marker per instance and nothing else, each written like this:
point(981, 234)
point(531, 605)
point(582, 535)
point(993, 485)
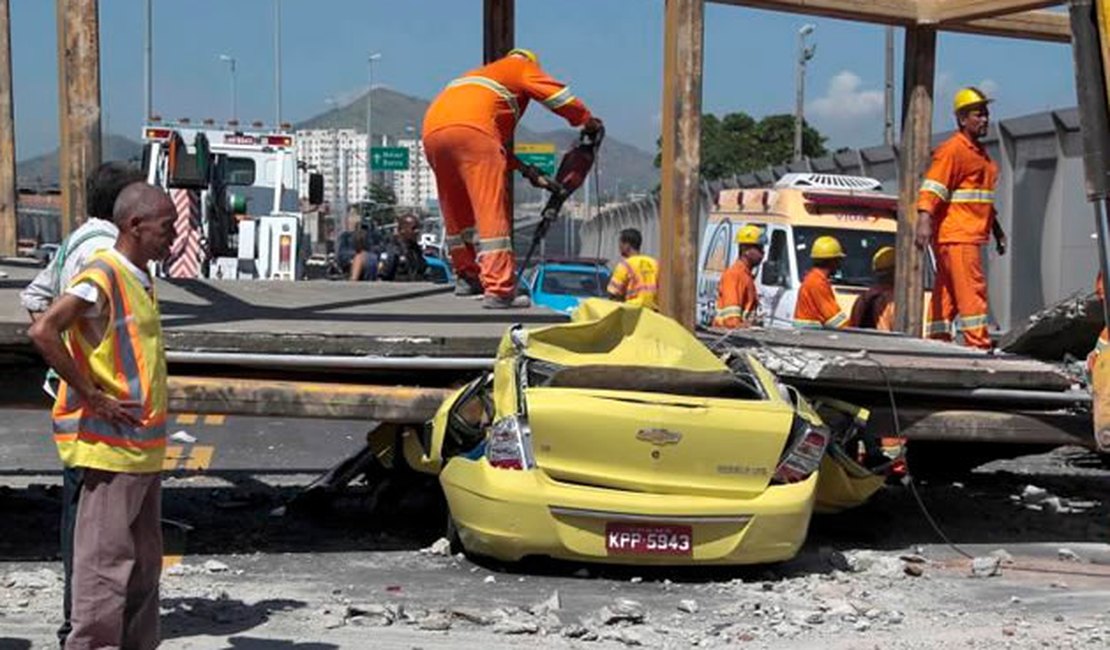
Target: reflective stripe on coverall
point(817, 305)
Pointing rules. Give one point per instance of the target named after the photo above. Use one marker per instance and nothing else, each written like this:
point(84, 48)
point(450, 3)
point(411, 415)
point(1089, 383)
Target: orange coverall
point(874, 309)
point(737, 298)
point(958, 191)
point(466, 130)
point(817, 305)
point(636, 281)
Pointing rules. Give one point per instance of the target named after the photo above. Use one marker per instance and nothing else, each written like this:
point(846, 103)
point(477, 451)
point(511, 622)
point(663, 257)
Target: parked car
point(562, 284)
point(618, 437)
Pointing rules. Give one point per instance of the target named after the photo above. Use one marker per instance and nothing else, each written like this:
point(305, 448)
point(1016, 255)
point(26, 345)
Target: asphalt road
point(350, 573)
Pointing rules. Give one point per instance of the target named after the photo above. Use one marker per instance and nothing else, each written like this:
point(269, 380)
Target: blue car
point(562, 284)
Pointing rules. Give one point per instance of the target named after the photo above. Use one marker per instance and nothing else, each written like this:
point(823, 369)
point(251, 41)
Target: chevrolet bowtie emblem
point(659, 436)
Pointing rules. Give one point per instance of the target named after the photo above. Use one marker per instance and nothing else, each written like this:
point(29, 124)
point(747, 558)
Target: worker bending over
point(817, 305)
point(636, 277)
point(875, 308)
point(956, 214)
point(466, 131)
point(737, 299)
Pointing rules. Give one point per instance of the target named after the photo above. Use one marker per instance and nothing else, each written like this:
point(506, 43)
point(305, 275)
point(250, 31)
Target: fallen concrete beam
point(1060, 428)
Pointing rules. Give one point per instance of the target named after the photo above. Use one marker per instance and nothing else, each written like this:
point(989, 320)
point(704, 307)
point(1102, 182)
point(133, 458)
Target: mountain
point(42, 171)
point(398, 115)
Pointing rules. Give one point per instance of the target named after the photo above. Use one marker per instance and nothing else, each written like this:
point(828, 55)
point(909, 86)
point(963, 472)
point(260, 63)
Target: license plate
point(648, 539)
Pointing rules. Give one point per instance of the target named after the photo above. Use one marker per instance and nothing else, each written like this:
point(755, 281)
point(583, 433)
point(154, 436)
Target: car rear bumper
point(509, 514)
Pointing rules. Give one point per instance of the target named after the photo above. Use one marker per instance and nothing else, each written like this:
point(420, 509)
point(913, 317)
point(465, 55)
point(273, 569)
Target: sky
point(609, 51)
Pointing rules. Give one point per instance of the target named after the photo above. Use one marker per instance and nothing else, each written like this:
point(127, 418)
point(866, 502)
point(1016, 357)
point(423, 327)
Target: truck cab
point(246, 183)
point(795, 212)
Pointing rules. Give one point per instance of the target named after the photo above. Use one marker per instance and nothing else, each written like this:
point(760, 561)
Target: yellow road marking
point(186, 418)
point(215, 419)
point(190, 457)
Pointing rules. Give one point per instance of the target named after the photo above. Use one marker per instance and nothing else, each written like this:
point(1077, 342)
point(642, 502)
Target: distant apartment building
point(416, 186)
point(340, 156)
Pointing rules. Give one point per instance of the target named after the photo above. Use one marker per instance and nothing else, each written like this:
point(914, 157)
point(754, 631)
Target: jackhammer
point(573, 170)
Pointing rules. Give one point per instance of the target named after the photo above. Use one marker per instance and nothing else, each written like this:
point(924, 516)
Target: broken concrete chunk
point(622, 610)
point(370, 614)
point(215, 566)
point(440, 547)
point(985, 567)
point(688, 605)
point(1068, 555)
point(553, 603)
point(516, 625)
point(1034, 494)
point(1003, 556)
point(435, 622)
point(472, 615)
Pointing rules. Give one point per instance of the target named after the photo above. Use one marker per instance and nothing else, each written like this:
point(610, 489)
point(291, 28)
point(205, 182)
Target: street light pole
point(234, 100)
point(369, 121)
point(277, 65)
point(804, 55)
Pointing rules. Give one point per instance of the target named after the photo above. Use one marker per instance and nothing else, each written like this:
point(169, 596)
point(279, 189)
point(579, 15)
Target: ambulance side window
point(776, 267)
point(717, 258)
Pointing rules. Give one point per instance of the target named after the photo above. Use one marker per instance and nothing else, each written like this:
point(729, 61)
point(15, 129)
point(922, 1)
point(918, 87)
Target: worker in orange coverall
point(737, 298)
point(466, 131)
point(1103, 342)
point(956, 214)
point(874, 309)
point(817, 306)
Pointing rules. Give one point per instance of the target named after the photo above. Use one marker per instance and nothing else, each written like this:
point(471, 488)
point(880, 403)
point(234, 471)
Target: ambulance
point(799, 208)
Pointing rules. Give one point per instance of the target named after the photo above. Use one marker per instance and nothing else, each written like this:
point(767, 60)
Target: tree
point(738, 144)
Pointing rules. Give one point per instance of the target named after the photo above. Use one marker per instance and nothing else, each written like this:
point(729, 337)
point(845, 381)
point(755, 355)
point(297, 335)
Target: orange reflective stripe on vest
point(635, 280)
point(128, 364)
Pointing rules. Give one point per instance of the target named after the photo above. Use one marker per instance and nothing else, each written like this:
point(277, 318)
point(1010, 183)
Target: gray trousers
point(117, 562)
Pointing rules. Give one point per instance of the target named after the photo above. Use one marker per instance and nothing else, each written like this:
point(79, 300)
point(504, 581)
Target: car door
point(776, 286)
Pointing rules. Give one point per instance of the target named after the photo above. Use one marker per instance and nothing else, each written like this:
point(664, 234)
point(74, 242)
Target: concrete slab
point(311, 317)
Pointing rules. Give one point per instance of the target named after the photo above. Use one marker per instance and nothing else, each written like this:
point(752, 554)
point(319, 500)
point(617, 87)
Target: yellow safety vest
point(128, 364)
point(636, 279)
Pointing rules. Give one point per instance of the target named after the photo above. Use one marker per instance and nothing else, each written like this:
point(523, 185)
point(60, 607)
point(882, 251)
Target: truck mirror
point(315, 188)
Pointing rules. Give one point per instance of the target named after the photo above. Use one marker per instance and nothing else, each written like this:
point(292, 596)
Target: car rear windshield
point(575, 283)
point(859, 246)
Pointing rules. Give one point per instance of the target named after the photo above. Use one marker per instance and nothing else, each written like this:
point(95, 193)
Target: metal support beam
point(8, 221)
point(79, 103)
point(683, 40)
point(963, 10)
point(917, 130)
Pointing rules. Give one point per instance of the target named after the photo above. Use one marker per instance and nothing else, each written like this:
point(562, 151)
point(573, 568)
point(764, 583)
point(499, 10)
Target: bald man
point(109, 420)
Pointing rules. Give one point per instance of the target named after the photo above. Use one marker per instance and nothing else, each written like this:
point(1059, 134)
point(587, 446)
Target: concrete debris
point(215, 566)
point(874, 563)
point(985, 567)
point(440, 547)
point(578, 631)
point(41, 579)
point(636, 580)
point(490, 580)
point(515, 626)
point(914, 570)
point(688, 605)
point(1034, 494)
point(371, 614)
point(622, 610)
point(623, 635)
point(1068, 555)
point(552, 604)
point(435, 622)
point(1003, 556)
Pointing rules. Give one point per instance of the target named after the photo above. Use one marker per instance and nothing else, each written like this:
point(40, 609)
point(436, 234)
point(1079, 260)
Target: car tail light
point(804, 454)
point(510, 444)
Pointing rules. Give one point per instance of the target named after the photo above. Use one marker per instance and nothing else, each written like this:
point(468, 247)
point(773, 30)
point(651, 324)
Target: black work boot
point(467, 286)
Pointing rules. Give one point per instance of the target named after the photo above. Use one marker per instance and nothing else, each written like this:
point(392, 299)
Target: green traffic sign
point(544, 161)
point(389, 158)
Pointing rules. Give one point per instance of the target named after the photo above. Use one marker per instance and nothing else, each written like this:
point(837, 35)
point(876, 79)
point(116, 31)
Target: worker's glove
point(535, 177)
point(1000, 243)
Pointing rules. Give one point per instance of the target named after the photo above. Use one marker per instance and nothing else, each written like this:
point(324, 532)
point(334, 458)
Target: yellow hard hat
point(751, 235)
point(528, 54)
point(967, 97)
point(826, 248)
point(883, 260)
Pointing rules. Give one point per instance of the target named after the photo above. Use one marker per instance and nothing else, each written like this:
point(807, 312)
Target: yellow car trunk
point(657, 443)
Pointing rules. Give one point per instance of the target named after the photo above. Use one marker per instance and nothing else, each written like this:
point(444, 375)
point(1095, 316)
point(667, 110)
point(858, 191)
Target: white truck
point(246, 183)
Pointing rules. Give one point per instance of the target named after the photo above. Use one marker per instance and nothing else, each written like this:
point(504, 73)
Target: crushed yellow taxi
point(620, 438)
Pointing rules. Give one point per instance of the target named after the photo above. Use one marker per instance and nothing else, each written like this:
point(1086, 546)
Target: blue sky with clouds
point(610, 51)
